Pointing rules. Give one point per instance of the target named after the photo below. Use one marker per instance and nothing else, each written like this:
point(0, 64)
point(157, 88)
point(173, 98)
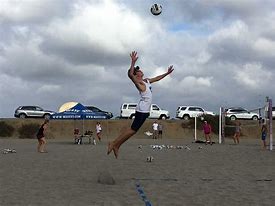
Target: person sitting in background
point(77, 139)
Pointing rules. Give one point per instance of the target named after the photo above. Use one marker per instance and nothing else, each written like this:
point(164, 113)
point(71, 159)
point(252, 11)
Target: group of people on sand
point(42, 130)
point(157, 130)
point(144, 87)
point(238, 129)
point(236, 137)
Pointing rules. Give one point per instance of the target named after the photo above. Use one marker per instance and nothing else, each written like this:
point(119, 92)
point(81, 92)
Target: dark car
point(32, 111)
point(109, 115)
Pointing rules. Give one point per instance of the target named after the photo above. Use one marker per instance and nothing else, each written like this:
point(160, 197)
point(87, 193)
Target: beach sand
point(68, 174)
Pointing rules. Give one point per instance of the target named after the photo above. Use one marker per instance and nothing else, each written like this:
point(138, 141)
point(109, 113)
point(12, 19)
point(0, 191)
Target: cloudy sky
point(56, 51)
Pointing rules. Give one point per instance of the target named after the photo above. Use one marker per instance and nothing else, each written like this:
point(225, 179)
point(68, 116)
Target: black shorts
point(139, 120)
point(39, 136)
point(263, 136)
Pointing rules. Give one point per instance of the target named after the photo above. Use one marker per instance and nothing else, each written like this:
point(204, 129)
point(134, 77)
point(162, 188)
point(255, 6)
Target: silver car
point(240, 113)
point(32, 111)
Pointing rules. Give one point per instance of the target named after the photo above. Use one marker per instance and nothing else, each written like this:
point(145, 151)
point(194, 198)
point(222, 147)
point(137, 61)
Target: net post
point(195, 128)
point(220, 126)
point(270, 124)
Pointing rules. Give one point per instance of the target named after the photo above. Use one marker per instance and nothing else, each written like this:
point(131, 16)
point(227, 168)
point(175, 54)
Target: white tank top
point(145, 99)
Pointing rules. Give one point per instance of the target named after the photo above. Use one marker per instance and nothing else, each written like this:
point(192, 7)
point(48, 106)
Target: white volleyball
point(156, 9)
point(149, 159)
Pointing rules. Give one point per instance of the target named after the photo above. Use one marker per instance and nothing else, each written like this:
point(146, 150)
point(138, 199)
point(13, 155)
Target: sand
point(68, 174)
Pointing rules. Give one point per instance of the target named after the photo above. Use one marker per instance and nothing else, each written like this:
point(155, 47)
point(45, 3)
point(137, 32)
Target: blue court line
point(142, 194)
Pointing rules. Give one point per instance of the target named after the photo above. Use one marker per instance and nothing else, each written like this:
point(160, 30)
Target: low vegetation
point(6, 130)
point(28, 131)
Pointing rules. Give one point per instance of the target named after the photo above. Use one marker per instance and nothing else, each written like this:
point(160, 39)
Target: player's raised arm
point(134, 58)
point(157, 78)
point(135, 74)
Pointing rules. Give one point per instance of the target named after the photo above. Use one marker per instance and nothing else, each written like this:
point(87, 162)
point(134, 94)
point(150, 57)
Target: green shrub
point(212, 120)
point(28, 130)
point(230, 129)
point(6, 130)
point(189, 124)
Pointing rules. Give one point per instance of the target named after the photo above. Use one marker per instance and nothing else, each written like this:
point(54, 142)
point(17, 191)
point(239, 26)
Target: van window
point(197, 109)
point(124, 106)
point(28, 108)
point(38, 109)
point(155, 107)
point(132, 106)
point(183, 108)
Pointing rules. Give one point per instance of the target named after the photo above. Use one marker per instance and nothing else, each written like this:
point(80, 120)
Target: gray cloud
point(82, 54)
point(53, 52)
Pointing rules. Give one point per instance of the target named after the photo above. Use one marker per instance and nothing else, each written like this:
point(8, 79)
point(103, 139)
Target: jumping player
point(143, 108)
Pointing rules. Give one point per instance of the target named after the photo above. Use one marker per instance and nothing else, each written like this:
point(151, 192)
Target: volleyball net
point(265, 117)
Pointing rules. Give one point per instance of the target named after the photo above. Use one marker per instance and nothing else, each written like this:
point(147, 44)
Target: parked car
point(32, 111)
point(108, 115)
point(187, 112)
point(240, 113)
point(128, 111)
point(273, 112)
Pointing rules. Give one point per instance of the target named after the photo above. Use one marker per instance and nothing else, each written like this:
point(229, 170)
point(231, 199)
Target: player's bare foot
point(115, 152)
point(111, 148)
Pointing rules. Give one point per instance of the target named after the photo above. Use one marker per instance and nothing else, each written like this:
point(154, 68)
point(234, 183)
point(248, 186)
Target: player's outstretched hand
point(134, 56)
point(170, 69)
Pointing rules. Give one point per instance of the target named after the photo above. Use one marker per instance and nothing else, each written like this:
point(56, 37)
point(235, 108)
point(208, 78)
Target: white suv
point(187, 112)
point(240, 113)
point(128, 111)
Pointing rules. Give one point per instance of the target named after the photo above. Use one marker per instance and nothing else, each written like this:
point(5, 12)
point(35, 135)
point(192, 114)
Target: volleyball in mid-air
point(156, 9)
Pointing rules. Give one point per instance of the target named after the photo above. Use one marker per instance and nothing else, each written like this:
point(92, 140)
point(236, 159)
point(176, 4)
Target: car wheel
point(47, 116)
point(22, 116)
point(254, 118)
point(132, 116)
point(163, 117)
point(186, 117)
point(233, 118)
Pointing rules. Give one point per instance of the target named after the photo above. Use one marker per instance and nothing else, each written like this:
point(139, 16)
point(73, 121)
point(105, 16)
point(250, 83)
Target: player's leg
point(137, 123)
